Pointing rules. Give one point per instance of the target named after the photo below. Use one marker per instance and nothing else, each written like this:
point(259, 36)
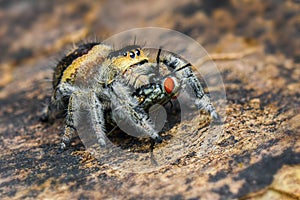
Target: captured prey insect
point(119, 86)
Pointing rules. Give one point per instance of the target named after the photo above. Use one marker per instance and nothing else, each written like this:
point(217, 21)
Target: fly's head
point(159, 92)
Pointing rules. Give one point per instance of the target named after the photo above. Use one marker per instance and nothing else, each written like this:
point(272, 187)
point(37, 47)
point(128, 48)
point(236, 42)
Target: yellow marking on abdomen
point(97, 51)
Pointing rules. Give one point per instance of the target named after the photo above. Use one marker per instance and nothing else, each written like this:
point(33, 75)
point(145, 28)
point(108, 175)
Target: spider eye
point(132, 55)
point(137, 52)
point(125, 54)
point(169, 85)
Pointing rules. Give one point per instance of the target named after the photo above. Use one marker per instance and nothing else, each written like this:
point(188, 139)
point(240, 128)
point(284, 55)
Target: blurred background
point(30, 29)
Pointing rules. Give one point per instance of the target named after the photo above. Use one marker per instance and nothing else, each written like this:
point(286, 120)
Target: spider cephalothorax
point(119, 86)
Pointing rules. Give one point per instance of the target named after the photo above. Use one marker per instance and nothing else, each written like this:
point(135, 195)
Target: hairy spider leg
point(129, 115)
point(84, 102)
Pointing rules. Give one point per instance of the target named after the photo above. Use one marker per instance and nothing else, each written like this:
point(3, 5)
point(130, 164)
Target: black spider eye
point(125, 54)
point(132, 55)
point(137, 52)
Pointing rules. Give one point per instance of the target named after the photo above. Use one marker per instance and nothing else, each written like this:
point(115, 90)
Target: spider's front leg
point(183, 71)
point(80, 103)
point(129, 115)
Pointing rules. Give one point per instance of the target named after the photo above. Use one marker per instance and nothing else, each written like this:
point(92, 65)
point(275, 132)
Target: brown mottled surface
point(256, 157)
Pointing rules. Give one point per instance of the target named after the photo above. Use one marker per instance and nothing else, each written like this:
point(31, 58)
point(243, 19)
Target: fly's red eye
point(169, 85)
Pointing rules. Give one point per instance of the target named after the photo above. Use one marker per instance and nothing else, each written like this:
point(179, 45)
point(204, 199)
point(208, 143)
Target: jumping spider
point(119, 86)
